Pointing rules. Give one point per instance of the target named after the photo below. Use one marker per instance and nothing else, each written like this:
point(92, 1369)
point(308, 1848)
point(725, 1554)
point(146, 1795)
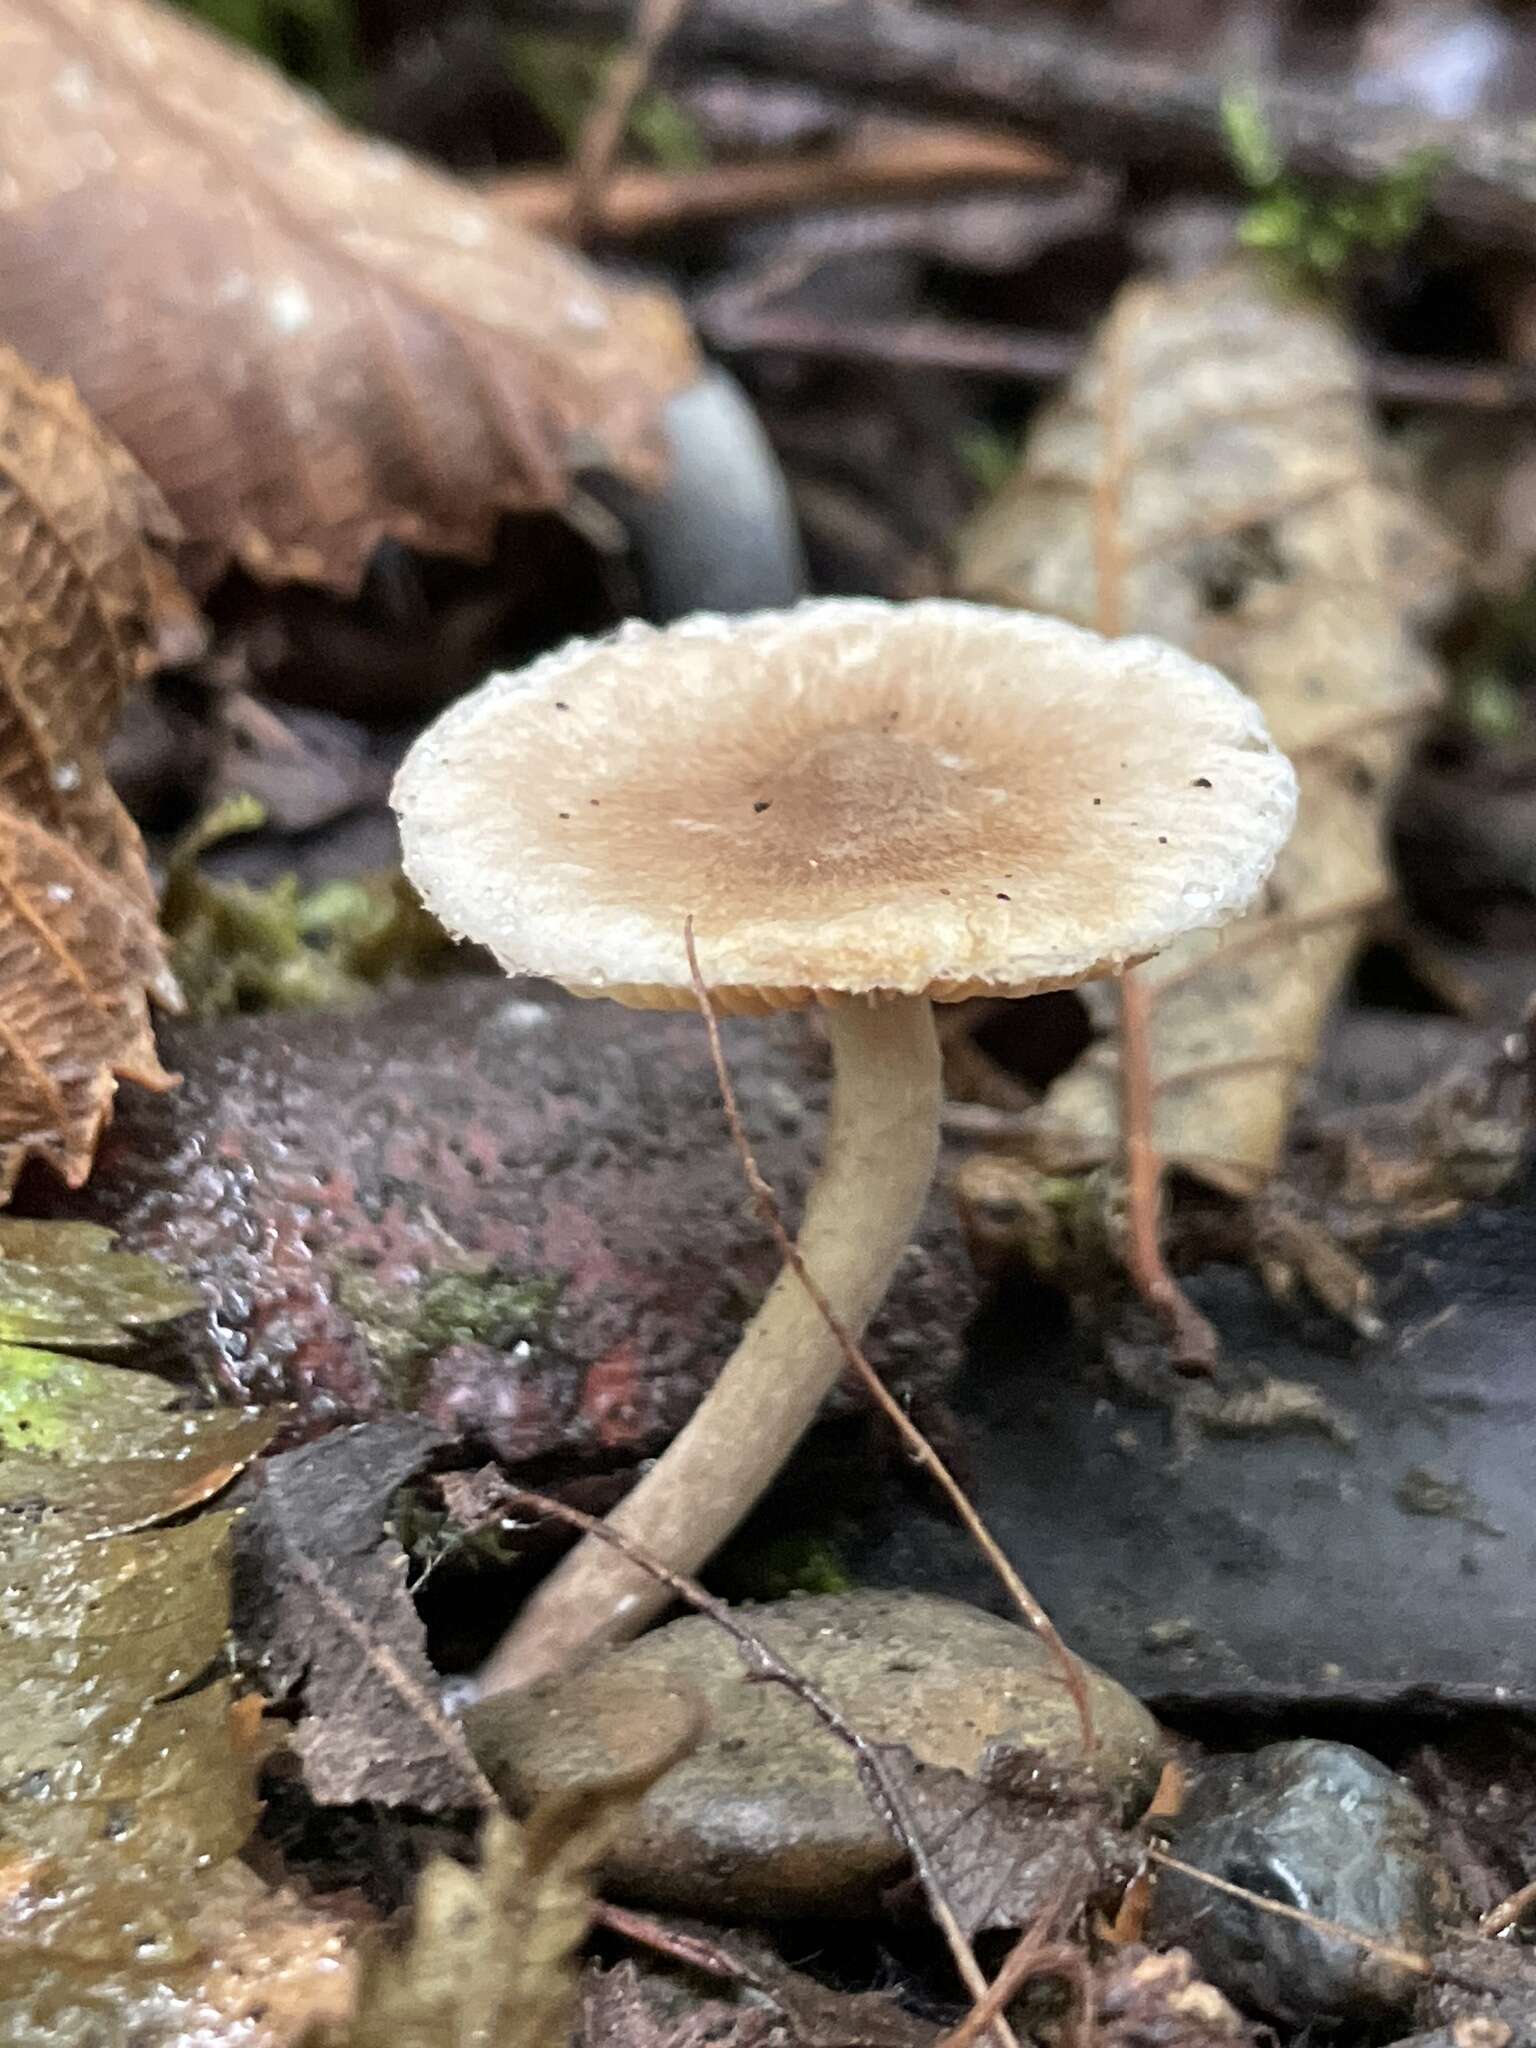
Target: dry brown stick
point(1388, 1952)
point(880, 1782)
point(1439, 1968)
point(691, 1950)
point(1191, 1339)
point(1508, 1912)
point(602, 133)
point(1028, 357)
point(1064, 86)
point(922, 1451)
point(1030, 1956)
point(926, 163)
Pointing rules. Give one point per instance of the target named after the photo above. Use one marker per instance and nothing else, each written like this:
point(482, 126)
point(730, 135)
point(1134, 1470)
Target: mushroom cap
point(848, 797)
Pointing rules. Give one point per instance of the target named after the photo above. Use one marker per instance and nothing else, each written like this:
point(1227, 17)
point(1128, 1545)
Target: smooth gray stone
point(1325, 1828)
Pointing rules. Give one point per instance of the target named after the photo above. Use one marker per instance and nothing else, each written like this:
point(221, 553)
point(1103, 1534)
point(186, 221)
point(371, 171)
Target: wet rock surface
point(767, 1815)
point(1378, 1561)
point(1325, 1828)
point(337, 1184)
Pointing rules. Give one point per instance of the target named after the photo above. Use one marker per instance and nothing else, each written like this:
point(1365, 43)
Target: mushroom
point(869, 806)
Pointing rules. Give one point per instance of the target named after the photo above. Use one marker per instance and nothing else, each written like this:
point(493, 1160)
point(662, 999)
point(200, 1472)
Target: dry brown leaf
point(307, 339)
point(1216, 460)
point(84, 591)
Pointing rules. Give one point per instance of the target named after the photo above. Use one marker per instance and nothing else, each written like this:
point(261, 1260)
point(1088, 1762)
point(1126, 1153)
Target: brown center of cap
point(843, 795)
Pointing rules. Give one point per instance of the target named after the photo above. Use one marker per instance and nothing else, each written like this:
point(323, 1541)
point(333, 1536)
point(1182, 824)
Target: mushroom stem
point(882, 1141)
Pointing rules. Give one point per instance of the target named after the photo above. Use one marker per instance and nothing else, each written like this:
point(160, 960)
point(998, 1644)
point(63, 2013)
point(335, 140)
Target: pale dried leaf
point(84, 592)
point(493, 1951)
point(308, 339)
point(1216, 460)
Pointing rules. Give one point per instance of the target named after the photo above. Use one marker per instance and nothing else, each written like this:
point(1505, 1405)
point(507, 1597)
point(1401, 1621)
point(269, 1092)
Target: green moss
point(240, 949)
point(405, 1327)
point(1314, 230)
point(989, 455)
point(771, 1567)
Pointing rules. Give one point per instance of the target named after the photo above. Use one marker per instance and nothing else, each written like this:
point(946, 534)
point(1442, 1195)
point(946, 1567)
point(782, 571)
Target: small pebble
point(1325, 1828)
point(767, 1815)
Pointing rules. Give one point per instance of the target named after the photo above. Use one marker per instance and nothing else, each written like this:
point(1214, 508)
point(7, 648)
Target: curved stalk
point(882, 1141)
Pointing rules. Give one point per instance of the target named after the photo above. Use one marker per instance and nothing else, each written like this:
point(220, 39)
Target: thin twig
point(1191, 1339)
point(1387, 1951)
point(925, 164)
point(1059, 82)
point(1508, 1912)
point(691, 1950)
point(1030, 1956)
point(602, 132)
point(881, 1784)
point(922, 1451)
point(1028, 356)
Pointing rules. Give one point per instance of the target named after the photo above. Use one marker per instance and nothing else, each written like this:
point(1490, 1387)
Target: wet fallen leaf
point(309, 340)
point(62, 1284)
point(323, 1616)
point(126, 1780)
point(86, 594)
point(1016, 1841)
point(1216, 457)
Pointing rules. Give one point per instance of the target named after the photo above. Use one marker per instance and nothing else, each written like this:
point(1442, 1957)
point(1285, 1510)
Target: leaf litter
point(126, 1763)
point(492, 1955)
point(88, 602)
point(346, 345)
point(1255, 527)
point(324, 1620)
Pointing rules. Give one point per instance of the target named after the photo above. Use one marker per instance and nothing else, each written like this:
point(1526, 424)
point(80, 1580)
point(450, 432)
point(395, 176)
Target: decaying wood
point(1255, 531)
point(308, 340)
point(1064, 87)
point(84, 588)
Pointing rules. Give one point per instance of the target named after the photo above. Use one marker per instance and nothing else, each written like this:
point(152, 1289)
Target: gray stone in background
point(767, 1815)
point(1328, 1829)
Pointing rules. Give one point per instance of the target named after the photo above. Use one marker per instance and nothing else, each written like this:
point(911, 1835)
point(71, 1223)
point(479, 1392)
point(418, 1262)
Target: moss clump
point(772, 1567)
point(406, 1327)
point(238, 949)
point(1316, 231)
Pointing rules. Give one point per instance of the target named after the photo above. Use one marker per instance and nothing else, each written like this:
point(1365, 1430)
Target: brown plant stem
point(633, 203)
point(881, 1783)
point(602, 132)
point(1031, 1956)
point(1191, 1340)
point(1388, 1952)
